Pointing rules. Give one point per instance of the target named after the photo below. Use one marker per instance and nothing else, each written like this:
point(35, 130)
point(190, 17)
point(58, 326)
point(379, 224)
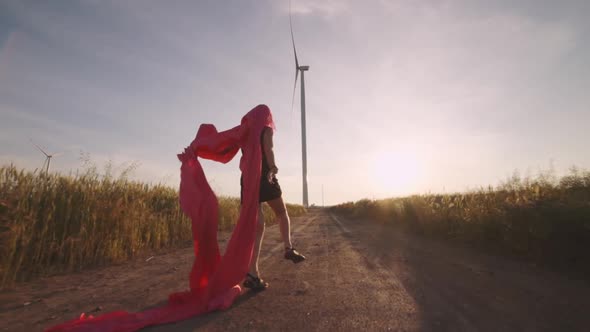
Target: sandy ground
point(359, 275)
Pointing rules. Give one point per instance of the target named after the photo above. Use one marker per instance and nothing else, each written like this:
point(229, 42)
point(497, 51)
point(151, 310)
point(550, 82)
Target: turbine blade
point(294, 88)
point(46, 155)
point(293, 38)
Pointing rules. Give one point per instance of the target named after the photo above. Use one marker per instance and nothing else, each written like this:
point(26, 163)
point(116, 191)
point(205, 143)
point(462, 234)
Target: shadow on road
point(460, 290)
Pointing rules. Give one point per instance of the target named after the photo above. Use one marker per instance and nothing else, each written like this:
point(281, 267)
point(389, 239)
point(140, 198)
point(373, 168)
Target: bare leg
point(278, 206)
point(259, 235)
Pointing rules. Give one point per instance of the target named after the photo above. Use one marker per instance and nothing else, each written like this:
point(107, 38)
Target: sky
point(402, 97)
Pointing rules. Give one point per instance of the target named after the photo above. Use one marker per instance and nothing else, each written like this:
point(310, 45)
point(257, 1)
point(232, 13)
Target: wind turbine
point(303, 69)
point(47, 159)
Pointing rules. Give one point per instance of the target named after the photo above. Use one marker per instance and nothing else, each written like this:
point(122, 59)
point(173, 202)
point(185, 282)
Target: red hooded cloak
point(214, 279)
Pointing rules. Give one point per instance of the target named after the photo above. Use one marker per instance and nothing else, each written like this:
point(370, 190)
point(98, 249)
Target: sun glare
point(397, 172)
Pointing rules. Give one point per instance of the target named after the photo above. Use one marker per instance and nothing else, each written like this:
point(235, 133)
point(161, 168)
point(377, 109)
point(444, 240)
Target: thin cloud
point(325, 8)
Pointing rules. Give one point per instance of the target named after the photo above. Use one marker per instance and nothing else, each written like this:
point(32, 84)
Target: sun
point(396, 172)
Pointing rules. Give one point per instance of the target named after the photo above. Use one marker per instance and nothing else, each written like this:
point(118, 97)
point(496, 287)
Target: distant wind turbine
point(303, 69)
point(47, 159)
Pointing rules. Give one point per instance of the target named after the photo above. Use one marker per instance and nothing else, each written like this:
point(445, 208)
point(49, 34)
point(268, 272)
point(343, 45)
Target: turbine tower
point(303, 69)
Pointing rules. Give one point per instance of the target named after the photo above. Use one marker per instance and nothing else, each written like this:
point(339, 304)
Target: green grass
point(56, 223)
point(544, 220)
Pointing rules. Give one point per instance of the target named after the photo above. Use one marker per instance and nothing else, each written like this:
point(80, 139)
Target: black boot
point(255, 283)
point(293, 255)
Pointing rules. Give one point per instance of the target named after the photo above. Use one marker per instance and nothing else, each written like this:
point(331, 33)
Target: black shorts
point(268, 190)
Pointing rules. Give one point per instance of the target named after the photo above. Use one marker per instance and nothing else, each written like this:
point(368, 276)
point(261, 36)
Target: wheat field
point(60, 223)
point(543, 220)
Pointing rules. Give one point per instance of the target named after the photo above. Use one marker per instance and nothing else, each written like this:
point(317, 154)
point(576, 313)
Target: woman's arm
point(267, 145)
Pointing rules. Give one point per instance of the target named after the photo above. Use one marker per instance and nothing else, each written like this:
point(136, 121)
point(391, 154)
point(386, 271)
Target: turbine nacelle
point(303, 68)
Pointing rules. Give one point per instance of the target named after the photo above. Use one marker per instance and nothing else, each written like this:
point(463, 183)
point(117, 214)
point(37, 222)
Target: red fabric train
point(214, 280)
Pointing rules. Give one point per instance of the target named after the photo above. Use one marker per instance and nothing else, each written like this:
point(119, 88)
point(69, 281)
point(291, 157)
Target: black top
point(265, 166)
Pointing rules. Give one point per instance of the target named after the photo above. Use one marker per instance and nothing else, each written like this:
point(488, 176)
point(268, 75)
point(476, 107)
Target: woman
point(270, 192)
point(213, 279)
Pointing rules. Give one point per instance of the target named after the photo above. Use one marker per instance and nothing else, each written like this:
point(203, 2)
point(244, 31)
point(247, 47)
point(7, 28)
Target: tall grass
point(55, 223)
point(545, 220)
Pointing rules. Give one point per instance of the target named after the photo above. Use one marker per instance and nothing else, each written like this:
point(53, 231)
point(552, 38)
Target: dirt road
point(359, 275)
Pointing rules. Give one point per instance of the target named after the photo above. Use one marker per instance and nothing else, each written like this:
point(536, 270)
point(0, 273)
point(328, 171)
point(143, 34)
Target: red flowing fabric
point(214, 280)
